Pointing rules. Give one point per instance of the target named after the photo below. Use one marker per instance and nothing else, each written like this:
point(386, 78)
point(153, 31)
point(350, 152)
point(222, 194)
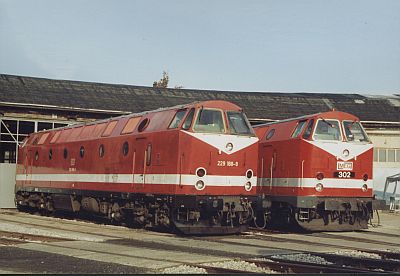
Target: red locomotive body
point(191, 167)
point(316, 171)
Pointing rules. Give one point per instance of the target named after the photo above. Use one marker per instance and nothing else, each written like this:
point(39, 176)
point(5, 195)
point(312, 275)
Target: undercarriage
point(316, 214)
point(194, 215)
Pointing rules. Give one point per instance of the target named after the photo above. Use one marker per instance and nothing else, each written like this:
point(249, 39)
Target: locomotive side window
point(148, 155)
point(87, 131)
point(82, 152)
point(299, 128)
point(143, 124)
point(131, 125)
point(238, 123)
point(36, 155)
point(50, 154)
point(354, 132)
point(188, 121)
point(101, 150)
point(209, 120)
point(65, 153)
point(97, 130)
point(43, 138)
point(110, 127)
point(307, 133)
point(327, 130)
point(125, 148)
point(270, 134)
point(177, 118)
point(55, 137)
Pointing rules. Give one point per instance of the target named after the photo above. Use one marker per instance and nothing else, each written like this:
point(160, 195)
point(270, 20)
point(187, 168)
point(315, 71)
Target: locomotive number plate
point(344, 174)
point(223, 163)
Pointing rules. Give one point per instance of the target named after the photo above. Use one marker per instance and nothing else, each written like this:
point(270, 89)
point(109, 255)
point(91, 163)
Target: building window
point(382, 155)
point(376, 151)
point(391, 155)
point(13, 132)
point(386, 155)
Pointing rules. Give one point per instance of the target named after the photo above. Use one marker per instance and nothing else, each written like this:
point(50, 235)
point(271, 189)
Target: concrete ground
point(35, 244)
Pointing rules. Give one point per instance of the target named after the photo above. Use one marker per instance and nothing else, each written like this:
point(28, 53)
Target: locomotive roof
point(50, 94)
point(320, 114)
point(131, 115)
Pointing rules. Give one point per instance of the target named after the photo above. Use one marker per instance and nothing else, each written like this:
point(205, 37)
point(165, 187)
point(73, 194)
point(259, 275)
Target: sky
point(329, 46)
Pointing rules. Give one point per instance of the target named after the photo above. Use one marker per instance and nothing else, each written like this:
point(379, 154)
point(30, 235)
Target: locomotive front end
point(316, 172)
point(340, 185)
point(218, 170)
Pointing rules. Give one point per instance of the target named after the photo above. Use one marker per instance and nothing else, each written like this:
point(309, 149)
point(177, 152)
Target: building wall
point(386, 157)
point(7, 184)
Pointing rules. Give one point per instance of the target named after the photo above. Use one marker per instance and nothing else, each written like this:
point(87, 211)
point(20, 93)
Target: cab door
point(267, 166)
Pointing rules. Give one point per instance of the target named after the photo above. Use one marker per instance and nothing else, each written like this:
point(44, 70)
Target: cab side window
point(299, 128)
point(188, 121)
point(307, 133)
point(177, 118)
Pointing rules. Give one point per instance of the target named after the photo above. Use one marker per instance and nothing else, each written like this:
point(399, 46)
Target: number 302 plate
point(344, 174)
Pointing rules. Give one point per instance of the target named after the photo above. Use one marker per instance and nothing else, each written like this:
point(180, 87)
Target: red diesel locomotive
point(316, 171)
point(188, 167)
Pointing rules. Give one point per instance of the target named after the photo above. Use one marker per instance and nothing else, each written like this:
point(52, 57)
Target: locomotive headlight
point(365, 177)
point(346, 153)
point(364, 188)
point(200, 172)
point(200, 185)
point(320, 176)
point(319, 187)
point(248, 186)
point(229, 147)
point(249, 174)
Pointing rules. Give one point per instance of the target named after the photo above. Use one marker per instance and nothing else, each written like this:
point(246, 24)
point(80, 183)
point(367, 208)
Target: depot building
point(29, 104)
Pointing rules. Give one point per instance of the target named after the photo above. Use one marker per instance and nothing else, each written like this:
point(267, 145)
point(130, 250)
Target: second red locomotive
point(316, 171)
point(191, 167)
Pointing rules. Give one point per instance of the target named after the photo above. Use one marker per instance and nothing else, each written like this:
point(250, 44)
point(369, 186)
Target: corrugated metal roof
point(129, 98)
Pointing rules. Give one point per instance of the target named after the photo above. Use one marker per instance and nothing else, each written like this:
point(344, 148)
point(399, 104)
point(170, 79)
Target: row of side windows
point(124, 150)
point(94, 130)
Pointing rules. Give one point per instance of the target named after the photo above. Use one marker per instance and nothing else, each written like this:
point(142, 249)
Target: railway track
point(11, 238)
point(267, 235)
point(291, 266)
point(386, 261)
